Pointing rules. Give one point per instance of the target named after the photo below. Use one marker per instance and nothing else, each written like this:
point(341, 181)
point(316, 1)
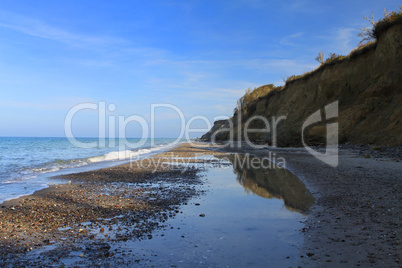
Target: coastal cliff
point(367, 85)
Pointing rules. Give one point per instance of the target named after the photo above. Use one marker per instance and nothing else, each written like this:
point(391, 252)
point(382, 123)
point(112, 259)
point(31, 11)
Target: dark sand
point(354, 221)
point(356, 218)
point(96, 207)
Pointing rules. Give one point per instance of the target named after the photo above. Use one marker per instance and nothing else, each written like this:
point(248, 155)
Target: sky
point(196, 58)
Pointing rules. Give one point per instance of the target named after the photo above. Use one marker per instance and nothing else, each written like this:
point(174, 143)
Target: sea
point(28, 164)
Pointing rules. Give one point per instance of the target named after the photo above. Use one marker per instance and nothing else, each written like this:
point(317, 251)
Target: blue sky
point(197, 55)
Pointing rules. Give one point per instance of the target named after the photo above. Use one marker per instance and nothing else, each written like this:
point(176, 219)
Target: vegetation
point(320, 57)
point(300, 76)
point(367, 34)
point(255, 94)
point(334, 58)
point(331, 59)
point(362, 48)
point(369, 37)
point(377, 28)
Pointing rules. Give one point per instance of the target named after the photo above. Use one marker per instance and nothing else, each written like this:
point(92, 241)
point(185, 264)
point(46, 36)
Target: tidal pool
point(247, 217)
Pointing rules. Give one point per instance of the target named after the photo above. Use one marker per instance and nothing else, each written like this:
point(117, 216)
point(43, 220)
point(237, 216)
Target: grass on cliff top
point(387, 22)
point(369, 42)
point(257, 93)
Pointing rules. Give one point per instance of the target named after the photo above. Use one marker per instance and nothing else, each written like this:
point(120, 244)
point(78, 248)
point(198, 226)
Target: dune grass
point(368, 43)
point(255, 94)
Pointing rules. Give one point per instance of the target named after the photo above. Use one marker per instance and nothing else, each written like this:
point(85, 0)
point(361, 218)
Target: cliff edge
point(367, 85)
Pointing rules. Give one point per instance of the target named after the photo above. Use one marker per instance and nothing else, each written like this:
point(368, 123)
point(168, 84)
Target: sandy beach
point(353, 221)
point(356, 217)
point(201, 134)
point(96, 206)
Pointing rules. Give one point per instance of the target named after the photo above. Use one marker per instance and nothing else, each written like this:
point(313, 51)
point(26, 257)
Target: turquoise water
point(27, 164)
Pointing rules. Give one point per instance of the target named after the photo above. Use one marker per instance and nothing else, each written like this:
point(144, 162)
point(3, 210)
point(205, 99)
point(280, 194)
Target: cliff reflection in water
point(274, 182)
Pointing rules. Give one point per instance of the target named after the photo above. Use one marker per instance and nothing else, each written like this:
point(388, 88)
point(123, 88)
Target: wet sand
point(354, 221)
point(357, 213)
point(96, 206)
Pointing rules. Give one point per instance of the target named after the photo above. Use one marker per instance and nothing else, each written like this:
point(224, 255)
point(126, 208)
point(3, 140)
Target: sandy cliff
point(367, 86)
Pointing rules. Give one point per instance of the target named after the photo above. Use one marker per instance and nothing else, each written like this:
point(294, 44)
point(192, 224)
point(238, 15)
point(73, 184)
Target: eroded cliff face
point(368, 88)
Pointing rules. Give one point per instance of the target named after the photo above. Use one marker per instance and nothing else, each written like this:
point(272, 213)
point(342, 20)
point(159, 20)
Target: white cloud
point(287, 40)
point(345, 39)
point(281, 67)
point(236, 92)
point(222, 108)
point(40, 29)
point(340, 40)
point(187, 72)
point(51, 103)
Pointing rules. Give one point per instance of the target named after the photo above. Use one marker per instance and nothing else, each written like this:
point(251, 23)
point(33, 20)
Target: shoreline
point(35, 171)
point(43, 180)
point(354, 221)
point(118, 203)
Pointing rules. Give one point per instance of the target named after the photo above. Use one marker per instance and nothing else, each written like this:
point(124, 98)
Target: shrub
point(369, 34)
point(333, 58)
point(369, 41)
point(362, 48)
point(297, 77)
point(320, 57)
point(389, 20)
point(251, 95)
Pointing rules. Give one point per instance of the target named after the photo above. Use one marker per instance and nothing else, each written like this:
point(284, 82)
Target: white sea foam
point(117, 155)
point(127, 154)
point(28, 164)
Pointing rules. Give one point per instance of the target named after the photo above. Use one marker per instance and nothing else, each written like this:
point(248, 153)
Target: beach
point(356, 217)
point(343, 216)
point(200, 134)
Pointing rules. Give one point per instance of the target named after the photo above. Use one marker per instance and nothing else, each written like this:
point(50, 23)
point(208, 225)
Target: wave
point(117, 155)
point(127, 154)
point(29, 164)
point(28, 173)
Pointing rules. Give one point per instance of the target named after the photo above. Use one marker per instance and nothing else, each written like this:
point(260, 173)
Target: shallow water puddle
point(247, 217)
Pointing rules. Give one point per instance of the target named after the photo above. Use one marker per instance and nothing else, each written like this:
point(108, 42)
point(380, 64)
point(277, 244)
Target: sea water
point(28, 164)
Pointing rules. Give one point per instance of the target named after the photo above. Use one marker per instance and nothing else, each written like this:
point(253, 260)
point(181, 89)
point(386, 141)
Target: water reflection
point(273, 182)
